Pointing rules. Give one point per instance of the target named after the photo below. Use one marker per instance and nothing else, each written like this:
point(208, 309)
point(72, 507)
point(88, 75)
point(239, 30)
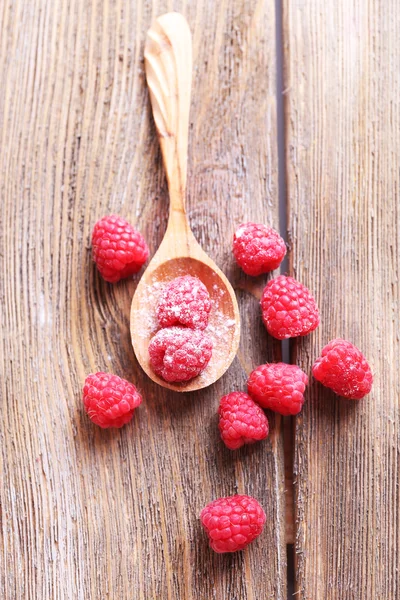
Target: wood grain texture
point(87, 513)
point(343, 152)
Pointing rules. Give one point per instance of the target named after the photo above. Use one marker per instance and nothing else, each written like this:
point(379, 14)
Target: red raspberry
point(179, 354)
point(241, 420)
point(279, 387)
point(232, 523)
point(288, 308)
point(109, 400)
point(118, 249)
point(185, 301)
point(258, 249)
point(344, 369)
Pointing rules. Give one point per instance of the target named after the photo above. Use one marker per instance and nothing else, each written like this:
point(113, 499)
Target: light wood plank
point(343, 151)
point(86, 513)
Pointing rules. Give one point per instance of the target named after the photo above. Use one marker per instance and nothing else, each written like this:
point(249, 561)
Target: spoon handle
point(168, 62)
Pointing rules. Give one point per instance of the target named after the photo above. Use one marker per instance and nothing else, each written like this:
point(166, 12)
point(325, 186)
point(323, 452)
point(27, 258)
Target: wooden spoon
point(168, 61)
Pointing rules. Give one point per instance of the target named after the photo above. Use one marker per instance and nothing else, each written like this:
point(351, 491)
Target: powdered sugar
point(184, 301)
point(220, 329)
point(179, 353)
point(221, 325)
point(147, 319)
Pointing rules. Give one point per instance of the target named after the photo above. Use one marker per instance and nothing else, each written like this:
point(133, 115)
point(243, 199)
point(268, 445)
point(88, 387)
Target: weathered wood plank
point(95, 514)
point(342, 118)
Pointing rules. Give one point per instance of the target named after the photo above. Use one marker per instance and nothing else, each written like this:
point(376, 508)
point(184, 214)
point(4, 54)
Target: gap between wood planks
point(288, 422)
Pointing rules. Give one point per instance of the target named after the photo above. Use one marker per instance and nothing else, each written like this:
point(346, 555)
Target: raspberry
point(185, 301)
point(232, 523)
point(258, 249)
point(179, 354)
point(241, 420)
point(109, 400)
point(343, 368)
point(288, 308)
point(118, 249)
point(279, 387)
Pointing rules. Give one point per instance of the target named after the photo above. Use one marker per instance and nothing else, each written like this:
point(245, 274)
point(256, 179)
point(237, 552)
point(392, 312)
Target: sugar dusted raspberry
point(109, 400)
point(241, 420)
point(233, 522)
point(343, 368)
point(179, 354)
point(258, 249)
point(288, 308)
point(118, 249)
point(185, 301)
point(279, 387)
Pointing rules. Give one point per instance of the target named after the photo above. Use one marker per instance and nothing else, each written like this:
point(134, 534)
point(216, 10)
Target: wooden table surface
point(295, 108)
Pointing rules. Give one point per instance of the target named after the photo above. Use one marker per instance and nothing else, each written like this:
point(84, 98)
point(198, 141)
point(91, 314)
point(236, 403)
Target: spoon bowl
point(168, 61)
point(221, 326)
